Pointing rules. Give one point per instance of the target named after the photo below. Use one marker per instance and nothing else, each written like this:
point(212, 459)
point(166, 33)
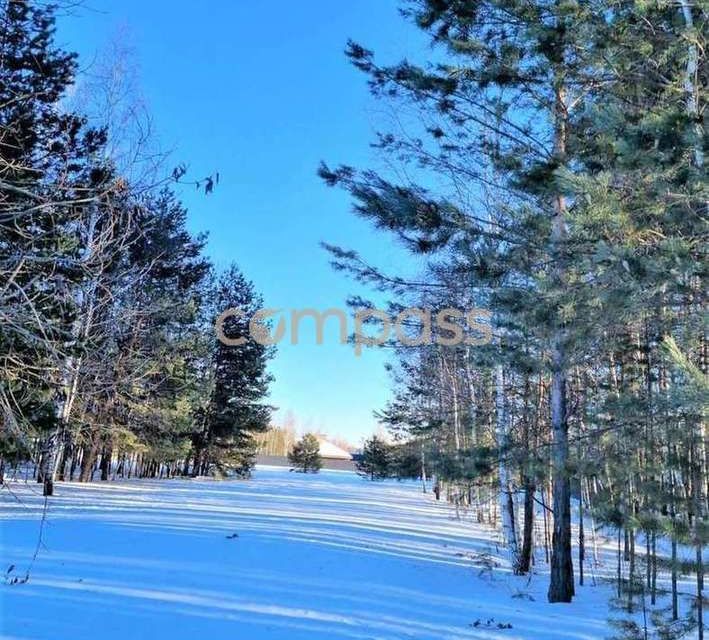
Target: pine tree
point(48, 180)
point(143, 316)
point(239, 382)
point(572, 137)
point(506, 93)
point(108, 350)
point(376, 460)
point(305, 455)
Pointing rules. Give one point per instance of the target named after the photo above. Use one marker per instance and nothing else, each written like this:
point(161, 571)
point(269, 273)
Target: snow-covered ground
point(319, 557)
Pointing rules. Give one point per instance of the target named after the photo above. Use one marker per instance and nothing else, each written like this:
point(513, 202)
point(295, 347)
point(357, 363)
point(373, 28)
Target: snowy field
point(318, 557)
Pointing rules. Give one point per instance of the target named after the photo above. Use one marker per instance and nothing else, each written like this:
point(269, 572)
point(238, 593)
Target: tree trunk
point(48, 462)
point(582, 542)
point(67, 451)
point(561, 586)
point(675, 607)
point(698, 500)
point(525, 560)
point(509, 530)
point(423, 469)
point(619, 571)
point(74, 462)
point(545, 516)
point(87, 461)
point(106, 456)
point(653, 579)
point(631, 571)
point(197, 463)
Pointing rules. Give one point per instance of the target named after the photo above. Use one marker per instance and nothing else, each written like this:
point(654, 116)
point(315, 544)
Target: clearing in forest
point(284, 555)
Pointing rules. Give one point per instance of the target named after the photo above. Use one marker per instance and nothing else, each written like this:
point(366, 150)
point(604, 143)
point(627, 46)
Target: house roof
point(329, 450)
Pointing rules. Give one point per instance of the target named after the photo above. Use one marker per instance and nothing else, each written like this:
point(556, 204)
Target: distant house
point(329, 451)
point(333, 457)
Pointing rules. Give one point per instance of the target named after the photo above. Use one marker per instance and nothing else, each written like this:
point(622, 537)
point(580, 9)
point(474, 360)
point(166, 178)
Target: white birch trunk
point(506, 501)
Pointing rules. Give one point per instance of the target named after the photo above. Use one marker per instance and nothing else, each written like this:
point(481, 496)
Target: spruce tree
point(305, 455)
point(239, 382)
point(375, 462)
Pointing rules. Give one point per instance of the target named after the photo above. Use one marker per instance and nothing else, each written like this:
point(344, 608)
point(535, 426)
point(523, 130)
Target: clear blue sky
point(261, 91)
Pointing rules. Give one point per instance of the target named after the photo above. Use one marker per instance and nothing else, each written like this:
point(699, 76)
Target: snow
point(322, 556)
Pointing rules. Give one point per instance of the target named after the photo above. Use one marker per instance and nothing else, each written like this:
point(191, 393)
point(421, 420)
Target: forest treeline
point(549, 159)
point(109, 362)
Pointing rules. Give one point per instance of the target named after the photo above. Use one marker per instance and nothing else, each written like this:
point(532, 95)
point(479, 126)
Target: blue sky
point(261, 92)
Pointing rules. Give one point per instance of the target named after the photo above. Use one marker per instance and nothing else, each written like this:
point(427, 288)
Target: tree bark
point(87, 461)
point(561, 586)
point(525, 560)
point(106, 456)
point(509, 531)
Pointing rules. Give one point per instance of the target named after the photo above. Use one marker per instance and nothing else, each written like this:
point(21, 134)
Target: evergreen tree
point(107, 352)
point(406, 462)
point(142, 317)
point(506, 93)
point(305, 455)
point(375, 462)
point(49, 180)
point(239, 382)
point(571, 135)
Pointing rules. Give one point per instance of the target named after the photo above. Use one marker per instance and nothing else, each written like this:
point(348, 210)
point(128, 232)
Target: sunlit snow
point(322, 556)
